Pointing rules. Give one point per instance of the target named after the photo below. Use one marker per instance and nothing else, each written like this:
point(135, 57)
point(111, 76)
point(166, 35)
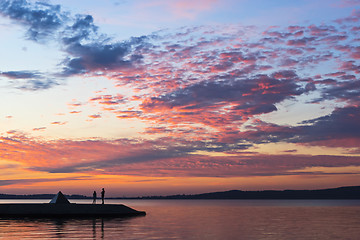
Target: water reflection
point(198, 219)
point(63, 228)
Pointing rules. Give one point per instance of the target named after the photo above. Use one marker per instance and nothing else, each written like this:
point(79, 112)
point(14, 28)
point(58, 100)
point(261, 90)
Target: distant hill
point(39, 196)
point(333, 193)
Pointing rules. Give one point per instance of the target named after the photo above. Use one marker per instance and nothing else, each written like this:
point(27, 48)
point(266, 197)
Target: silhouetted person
point(102, 196)
point(94, 197)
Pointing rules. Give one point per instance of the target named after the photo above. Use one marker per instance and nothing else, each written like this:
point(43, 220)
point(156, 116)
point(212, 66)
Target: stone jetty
point(60, 206)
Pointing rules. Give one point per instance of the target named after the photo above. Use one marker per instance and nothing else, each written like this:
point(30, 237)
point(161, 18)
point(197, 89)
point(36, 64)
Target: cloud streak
point(29, 80)
point(157, 159)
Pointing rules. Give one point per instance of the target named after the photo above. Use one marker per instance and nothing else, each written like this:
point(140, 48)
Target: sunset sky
point(159, 97)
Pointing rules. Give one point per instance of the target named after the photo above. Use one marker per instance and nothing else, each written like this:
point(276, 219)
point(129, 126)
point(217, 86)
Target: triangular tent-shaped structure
point(59, 198)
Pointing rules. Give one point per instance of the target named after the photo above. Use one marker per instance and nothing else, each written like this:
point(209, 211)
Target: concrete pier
point(67, 210)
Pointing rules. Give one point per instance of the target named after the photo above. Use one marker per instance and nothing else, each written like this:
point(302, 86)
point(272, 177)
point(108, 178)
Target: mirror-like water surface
point(201, 219)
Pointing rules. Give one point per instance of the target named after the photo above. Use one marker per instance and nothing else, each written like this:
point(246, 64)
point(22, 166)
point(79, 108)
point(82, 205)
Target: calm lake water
point(201, 219)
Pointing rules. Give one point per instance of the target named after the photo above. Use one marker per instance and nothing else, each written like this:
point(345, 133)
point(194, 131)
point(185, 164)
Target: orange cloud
point(59, 123)
point(39, 129)
point(94, 116)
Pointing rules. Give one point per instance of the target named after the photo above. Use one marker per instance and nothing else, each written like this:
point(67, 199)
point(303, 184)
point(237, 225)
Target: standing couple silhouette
point(102, 196)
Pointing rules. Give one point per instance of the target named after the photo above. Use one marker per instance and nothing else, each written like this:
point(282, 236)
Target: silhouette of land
point(39, 196)
point(352, 192)
point(332, 193)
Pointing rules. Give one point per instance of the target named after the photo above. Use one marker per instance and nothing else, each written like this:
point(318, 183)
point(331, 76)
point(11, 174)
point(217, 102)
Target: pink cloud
point(355, 54)
point(177, 80)
point(206, 88)
point(353, 18)
point(300, 42)
point(39, 129)
point(94, 116)
point(322, 30)
point(155, 159)
point(75, 104)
